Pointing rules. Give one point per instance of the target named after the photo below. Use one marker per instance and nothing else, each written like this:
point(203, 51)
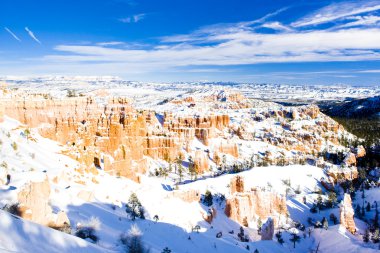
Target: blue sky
point(278, 41)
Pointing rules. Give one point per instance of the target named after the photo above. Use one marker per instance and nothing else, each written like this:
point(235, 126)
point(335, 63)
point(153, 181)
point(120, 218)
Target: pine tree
point(368, 207)
point(366, 236)
point(208, 198)
point(376, 219)
point(166, 250)
point(259, 224)
point(332, 198)
point(132, 241)
point(325, 223)
point(294, 238)
point(134, 207)
point(376, 236)
point(279, 237)
point(358, 212)
point(319, 202)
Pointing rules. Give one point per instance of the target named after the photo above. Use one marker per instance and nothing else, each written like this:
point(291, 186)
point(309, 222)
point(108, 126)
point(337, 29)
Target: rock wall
point(201, 162)
point(113, 136)
point(227, 147)
point(254, 203)
point(190, 127)
point(34, 205)
point(237, 185)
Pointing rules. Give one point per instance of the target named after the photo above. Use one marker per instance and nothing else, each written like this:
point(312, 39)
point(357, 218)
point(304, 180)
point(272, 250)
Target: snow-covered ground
point(35, 157)
point(147, 94)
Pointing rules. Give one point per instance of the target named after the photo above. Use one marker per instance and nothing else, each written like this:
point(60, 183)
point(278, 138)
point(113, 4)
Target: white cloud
point(337, 11)
point(31, 34)
point(361, 21)
point(370, 71)
point(218, 45)
point(11, 33)
point(110, 43)
point(234, 49)
point(133, 19)
point(201, 34)
point(277, 26)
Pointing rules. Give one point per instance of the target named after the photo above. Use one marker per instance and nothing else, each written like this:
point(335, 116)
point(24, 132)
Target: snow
point(18, 235)
point(176, 217)
point(37, 157)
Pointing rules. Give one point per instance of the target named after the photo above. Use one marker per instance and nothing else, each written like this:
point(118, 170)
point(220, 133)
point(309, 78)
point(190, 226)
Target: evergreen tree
point(134, 207)
point(376, 219)
point(376, 236)
point(279, 237)
point(325, 223)
point(319, 202)
point(332, 199)
point(132, 241)
point(366, 236)
point(166, 250)
point(207, 200)
point(358, 212)
point(259, 225)
point(294, 238)
point(368, 207)
point(256, 251)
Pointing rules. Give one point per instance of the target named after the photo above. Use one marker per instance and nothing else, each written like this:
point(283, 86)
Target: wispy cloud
point(133, 19)
point(31, 34)
point(111, 43)
point(337, 11)
point(370, 20)
point(218, 45)
point(277, 26)
point(235, 49)
point(201, 34)
point(370, 71)
point(11, 33)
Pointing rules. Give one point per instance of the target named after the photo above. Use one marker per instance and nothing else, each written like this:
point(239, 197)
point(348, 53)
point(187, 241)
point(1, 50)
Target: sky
point(273, 41)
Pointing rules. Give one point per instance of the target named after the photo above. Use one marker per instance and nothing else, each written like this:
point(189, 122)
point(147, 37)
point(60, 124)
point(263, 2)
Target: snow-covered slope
point(18, 235)
point(176, 217)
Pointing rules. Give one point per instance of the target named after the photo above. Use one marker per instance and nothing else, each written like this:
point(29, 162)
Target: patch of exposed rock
point(34, 205)
point(249, 205)
point(347, 214)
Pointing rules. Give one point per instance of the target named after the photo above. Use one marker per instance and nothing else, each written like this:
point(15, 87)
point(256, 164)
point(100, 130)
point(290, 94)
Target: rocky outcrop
point(250, 205)
point(237, 185)
point(210, 215)
point(1, 112)
point(201, 162)
point(347, 214)
point(114, 137)
point(360, 151)
point(186, 195)
point(350, 159)
point(337, 173)
point(227, 147)
point(190, 127)
point(34, 205)
point(267, 229)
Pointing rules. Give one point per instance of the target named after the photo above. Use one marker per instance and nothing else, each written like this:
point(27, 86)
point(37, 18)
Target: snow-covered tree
point(207, 200)
point(132, 240)
point(166, 250)
point(134, 207)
